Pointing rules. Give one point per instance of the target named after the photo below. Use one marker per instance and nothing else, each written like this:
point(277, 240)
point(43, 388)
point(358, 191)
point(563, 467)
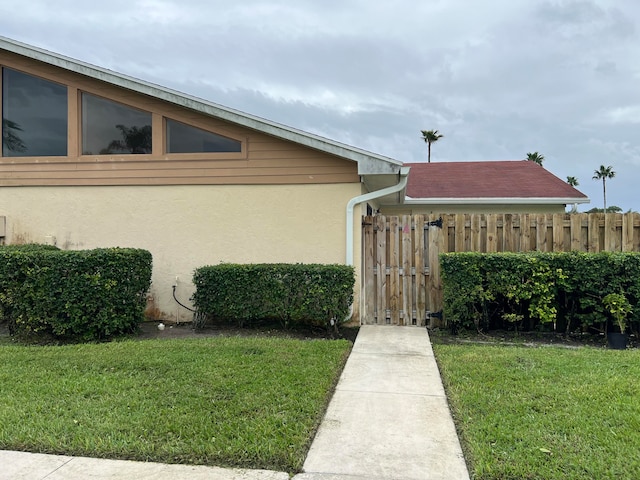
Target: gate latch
point(436, 223)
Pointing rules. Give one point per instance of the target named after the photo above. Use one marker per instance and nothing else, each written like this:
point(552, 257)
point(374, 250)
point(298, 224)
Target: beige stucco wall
point(186, 227)
point(471, 208)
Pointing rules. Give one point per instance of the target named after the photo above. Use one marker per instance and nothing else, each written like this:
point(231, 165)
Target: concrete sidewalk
point(36, 466)
point(389, 417)
point(388, 420)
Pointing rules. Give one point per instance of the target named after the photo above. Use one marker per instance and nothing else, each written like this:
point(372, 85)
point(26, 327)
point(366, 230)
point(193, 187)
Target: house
point(484, 187)
point(92, 158)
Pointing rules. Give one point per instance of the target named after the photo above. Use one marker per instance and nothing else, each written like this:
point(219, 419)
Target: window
point(112, 128)
point(34, 116)
point(183, 138)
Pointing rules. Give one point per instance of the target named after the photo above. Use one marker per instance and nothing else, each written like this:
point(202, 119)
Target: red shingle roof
point(501, 179)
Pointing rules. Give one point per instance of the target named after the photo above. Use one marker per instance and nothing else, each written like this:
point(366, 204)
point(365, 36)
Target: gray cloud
point(498, 78)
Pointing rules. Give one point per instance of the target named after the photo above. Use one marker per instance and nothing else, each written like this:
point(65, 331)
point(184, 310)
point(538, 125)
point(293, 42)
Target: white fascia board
point(368, 162)
point(495, 201)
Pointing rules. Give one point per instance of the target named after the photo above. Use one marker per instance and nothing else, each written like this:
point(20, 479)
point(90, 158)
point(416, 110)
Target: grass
point(225, 401)
point(545, 413)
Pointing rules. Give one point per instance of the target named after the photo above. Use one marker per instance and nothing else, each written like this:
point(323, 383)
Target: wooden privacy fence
point(402, 283)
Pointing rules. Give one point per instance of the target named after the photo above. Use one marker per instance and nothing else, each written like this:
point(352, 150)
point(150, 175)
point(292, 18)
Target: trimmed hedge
point(553, 291)
point(293, 294)
point(30, 247)
point(73, 295)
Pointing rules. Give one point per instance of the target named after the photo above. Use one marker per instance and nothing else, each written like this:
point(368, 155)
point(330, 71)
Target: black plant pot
point(617, 341)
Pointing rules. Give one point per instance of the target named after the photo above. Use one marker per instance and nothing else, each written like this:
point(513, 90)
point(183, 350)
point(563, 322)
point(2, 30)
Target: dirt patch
point(150, 330)
point(528, 339)
point(185, 330)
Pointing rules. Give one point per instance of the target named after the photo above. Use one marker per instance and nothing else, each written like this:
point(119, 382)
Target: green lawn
point(226, 401)
point(546, 412)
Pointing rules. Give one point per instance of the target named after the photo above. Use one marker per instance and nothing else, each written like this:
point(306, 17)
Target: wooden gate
point(401, 269)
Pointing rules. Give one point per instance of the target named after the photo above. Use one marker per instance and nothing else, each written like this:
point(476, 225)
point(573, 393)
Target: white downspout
point(402, 183)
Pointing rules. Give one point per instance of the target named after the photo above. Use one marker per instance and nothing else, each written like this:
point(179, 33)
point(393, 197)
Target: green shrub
point(293, 294)
point(555, 291)
point(73, 295)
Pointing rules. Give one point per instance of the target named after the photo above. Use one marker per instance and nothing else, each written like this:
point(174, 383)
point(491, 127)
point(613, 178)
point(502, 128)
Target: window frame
point(160, 111)
point(200, 126)
point(117, 102)
point(41, 158)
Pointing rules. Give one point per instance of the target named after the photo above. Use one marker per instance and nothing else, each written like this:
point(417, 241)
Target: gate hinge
point(435, 314)
point(436, 223)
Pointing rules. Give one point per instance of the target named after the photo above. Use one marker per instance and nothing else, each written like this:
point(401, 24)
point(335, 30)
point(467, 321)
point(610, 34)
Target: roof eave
point(496, 200)
point(368, 163)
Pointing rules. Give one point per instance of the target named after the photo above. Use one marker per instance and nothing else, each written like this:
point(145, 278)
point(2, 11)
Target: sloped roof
point(494, 181)
point(368, 163)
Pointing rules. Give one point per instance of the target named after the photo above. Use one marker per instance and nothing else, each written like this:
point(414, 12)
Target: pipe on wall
point(401, 185)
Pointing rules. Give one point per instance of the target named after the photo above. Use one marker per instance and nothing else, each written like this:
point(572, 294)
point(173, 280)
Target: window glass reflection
point(34, 116)
point(183, 138)
point(112, 128)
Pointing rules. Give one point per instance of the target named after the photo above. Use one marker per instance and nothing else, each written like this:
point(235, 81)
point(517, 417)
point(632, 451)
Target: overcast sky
point(499, 78)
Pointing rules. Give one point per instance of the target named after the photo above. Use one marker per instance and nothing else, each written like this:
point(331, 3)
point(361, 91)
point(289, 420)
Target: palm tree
point(535, 157)
point(10, 139)
point(602, 174)
point(430, 136)
point(134, 140)
point(573, 181)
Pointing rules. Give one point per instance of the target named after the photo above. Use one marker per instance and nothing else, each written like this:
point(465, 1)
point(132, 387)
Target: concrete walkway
point(389, 417)
point(388, 420)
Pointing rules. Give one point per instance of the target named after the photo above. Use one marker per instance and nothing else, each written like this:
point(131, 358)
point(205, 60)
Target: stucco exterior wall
point(186, 227)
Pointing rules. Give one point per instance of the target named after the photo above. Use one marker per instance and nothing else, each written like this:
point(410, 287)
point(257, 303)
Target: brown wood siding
point(263, 159)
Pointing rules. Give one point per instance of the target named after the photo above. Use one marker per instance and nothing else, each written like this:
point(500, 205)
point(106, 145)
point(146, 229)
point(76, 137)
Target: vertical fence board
point(434, 293)
point(627, 232)
point(558, 233)
point(576, 231)
point(380, 229)
point(492, 233)
point(407, 284)
point(394, 273)
point(369, 296)
point(418, 262)
point(508, 242)
point(541, 232)
point(610, 237)
point(594, 234)
point(525, 233)
point(459, 233)
point(476, 240)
